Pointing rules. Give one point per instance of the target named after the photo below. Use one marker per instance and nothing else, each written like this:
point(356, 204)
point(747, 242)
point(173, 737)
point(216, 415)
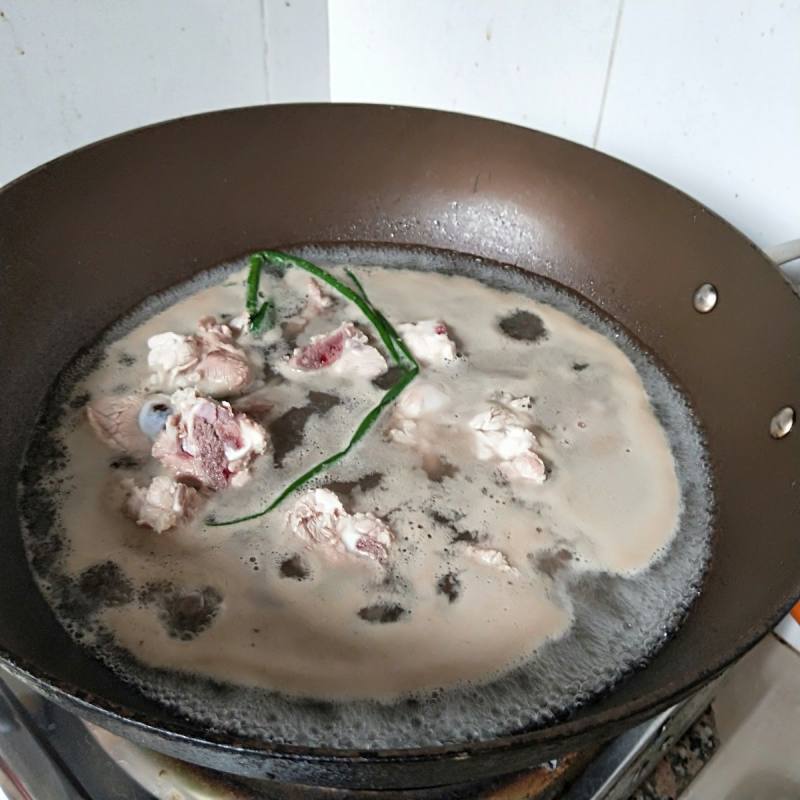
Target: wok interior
point(87, 237)
point(612, 623)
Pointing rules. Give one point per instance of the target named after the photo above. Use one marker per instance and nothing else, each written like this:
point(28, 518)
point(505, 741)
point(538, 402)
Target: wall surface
point(74, 71)
point(703, 93)
point(538, 64)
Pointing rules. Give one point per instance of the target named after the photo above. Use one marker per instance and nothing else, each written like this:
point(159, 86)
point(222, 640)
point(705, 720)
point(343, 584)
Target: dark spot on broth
point(382, 612)
point(287, 431)
point(579, 367)
point(100, 586)
point(44, 553)
point(438, 468)
point(551, 561)
point(126, 359)
point(80, 400)
point(447, 519)
point(45, 455)
point(322, 402)
point(270, 375)
point(70, 600)
point(106, 584)
point(125, 461)
point(184, 613)
point(471, 537)
point(524, 326)
point(449, 585)
point(388, 378)
point(294, 567)
point(449, 522)
point(345, 489)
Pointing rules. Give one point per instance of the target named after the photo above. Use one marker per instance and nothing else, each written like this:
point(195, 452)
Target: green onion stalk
point(396, 347)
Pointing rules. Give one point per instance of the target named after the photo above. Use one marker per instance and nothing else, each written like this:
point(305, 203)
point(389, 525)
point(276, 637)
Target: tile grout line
point(262, 8)
point(329, 81)
point(609, 67)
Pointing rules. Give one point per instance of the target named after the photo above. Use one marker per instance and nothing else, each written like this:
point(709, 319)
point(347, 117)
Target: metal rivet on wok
point(782, 423)
point(705, 298)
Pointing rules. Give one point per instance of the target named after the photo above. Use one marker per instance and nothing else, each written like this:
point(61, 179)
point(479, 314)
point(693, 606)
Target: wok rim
point(191, 732)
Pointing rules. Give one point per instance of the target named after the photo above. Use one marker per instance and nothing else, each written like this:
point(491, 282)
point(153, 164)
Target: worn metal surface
point(705, 298)
point(782, 423)
point(86, 237)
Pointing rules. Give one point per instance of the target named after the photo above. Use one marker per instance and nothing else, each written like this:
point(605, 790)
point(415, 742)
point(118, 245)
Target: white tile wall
point(539, 63)
point(296, 41)
point(707, 95)
point(704, 93)
point(72, 72)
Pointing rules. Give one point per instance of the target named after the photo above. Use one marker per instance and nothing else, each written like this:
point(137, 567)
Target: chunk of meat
point(239, 323)
point(161, 505)
point(115, 420)
point(500, 436)
point(210, 361)
point(415, 414)
point(314, 517)
point(420, 399)
point(343, 351)
point(319, 518)
point(207, 442)
point(521, 406)
point(489, 557)
point(365, 535)
point(317, 299)
point(418, 422)
point(526, 466)
point(172, 354)
point(429, 341)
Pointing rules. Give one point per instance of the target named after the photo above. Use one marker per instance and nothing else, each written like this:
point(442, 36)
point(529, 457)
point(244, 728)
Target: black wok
point(86, 237)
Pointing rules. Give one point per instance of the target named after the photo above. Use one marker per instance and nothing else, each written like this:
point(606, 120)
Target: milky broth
point(252, 605)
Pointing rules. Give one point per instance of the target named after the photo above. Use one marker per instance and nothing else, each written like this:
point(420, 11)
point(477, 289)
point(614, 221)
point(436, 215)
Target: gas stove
point(47, 753)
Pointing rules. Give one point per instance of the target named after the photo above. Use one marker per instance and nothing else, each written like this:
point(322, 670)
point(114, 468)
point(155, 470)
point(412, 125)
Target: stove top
point(47, 753)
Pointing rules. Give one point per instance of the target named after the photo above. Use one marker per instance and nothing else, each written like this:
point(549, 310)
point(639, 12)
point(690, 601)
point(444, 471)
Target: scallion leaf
point(366, 423)
point(258, 315)
point(394, 344)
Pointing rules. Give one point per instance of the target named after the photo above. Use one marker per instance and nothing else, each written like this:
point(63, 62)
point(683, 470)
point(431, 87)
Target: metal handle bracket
point(783, 254)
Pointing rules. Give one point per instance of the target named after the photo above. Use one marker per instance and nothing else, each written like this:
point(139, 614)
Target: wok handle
point(782, 254)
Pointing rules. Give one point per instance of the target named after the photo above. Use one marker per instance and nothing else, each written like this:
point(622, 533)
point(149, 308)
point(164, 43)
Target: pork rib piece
point(207, 443)
point(317, 301)
point(501, 436)
point(429, 341)
point(115, 420)
point(211, 361)
point(319, 519)
point(161, 505)
point(417, 415)
point(489, 557)
point(343, 351)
